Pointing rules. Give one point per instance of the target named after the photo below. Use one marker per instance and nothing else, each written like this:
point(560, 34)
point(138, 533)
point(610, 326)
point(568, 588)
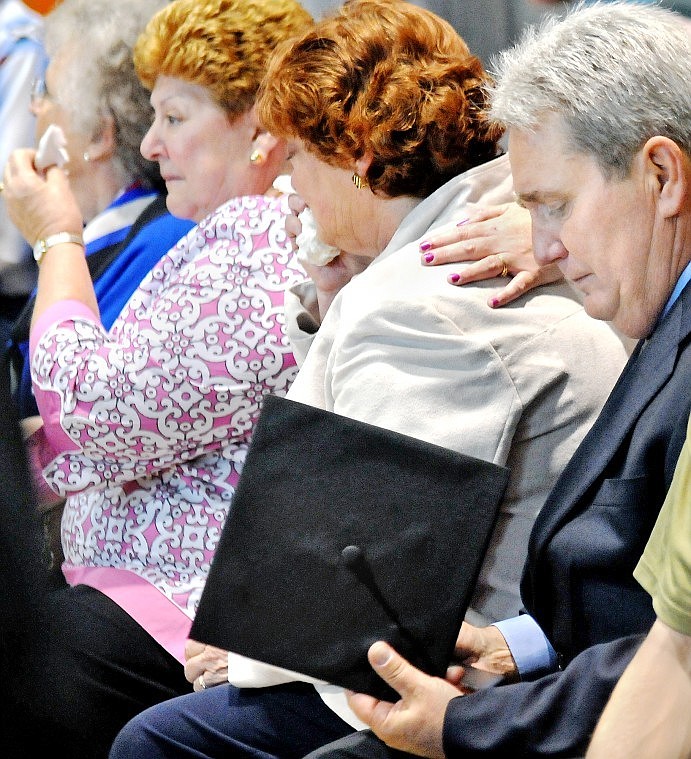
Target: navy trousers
point(283, 722)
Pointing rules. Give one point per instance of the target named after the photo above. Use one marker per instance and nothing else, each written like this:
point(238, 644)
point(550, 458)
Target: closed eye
point(553, 212)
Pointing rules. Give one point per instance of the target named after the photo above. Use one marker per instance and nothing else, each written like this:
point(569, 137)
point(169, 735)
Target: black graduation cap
point(343, 533)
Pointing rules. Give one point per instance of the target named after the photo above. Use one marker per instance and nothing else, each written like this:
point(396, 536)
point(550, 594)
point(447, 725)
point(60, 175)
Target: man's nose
point(547, 246)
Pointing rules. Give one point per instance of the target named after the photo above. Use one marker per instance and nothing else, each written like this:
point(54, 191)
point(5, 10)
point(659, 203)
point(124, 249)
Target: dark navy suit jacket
point(578, 581)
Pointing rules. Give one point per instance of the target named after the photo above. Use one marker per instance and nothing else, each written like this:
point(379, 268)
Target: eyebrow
point(523, 198)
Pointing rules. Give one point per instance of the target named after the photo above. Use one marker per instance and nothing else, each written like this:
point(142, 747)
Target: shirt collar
point(681, 284)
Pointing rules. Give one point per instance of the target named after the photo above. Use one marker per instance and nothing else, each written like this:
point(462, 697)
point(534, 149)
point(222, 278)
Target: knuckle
point(396, 670)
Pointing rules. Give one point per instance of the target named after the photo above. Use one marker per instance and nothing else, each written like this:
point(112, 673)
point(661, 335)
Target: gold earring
point(256, 157)
point(359, 182)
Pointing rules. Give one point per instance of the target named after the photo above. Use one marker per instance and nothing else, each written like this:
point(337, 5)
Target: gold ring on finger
point(504, 267)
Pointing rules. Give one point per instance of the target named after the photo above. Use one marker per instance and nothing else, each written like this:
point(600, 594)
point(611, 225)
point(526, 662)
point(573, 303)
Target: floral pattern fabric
point(150, 422)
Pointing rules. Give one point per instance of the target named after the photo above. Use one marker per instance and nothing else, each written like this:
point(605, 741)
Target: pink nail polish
point(494, 302)
point(462, 222)
point(425, 245)
point(429, 258)
point(454, 278)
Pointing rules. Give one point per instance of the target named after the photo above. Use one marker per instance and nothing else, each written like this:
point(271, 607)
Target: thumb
point(393, 668)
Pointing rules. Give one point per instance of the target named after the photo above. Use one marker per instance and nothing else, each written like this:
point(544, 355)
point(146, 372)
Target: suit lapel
point(646, 372)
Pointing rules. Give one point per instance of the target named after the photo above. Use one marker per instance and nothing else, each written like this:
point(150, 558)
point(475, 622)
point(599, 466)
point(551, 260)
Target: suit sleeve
point(552, 716)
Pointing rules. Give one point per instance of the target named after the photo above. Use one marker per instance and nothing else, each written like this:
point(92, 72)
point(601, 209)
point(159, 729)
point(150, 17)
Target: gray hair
point(94, 39)
point(617, 74)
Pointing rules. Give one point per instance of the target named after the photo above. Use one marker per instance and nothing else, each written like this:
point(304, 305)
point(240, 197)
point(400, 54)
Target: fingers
point(293, 226)
point(209, 661)
point(193, 648)
point(193, 668)
point(469, 644)
point(414, 723)
point(365, 706)
point(454, 674)
point(208, 679)
point(487, 649)
point(469, 239)
point(518, 286)
point(452, 246)
point(21, 160)
point(523, 280)
point(448, 235)
point(296, 204)
point(393, 668)
point(522, 283)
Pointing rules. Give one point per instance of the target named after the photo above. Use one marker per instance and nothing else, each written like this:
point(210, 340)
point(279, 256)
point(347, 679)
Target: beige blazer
point(519, 386)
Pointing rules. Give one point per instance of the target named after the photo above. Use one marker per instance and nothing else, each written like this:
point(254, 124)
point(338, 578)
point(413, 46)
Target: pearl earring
point(87, 157)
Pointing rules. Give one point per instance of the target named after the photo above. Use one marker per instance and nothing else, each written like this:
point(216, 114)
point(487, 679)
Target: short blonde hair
point(386, 78)
point(222, 45)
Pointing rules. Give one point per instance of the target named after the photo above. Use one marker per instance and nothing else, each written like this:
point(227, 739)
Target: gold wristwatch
point(42, 245)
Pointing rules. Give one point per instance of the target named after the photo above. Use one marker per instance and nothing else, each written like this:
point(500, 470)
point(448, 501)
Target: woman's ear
point(666, 165)
point(102, 145)
point(362, 165)
point(263, 146)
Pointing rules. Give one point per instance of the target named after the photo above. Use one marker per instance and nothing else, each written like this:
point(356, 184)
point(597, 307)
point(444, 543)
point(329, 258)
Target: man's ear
point(102, 145)
point(668, 166)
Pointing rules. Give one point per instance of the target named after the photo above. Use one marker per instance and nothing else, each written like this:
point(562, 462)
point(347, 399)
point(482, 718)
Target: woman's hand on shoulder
point(497, 240)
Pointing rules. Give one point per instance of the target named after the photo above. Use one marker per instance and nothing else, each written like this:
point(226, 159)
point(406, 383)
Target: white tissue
point(51, 149)
point(311, 250)
point(282, 184)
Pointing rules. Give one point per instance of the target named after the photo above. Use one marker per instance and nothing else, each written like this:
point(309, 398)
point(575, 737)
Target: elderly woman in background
point(147, 424)
point(383, 107)
point(91, 91)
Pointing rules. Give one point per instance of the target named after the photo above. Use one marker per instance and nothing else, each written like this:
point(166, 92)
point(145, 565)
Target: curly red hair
point(386, 78)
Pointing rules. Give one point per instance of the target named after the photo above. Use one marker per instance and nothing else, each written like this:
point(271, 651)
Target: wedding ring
point(504, 267)
point(202, 684)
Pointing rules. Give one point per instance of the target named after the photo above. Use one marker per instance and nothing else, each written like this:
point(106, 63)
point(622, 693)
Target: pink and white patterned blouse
point(148, 424)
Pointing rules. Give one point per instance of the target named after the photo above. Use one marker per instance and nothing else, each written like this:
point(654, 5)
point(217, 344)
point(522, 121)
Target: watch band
point(43, 244)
